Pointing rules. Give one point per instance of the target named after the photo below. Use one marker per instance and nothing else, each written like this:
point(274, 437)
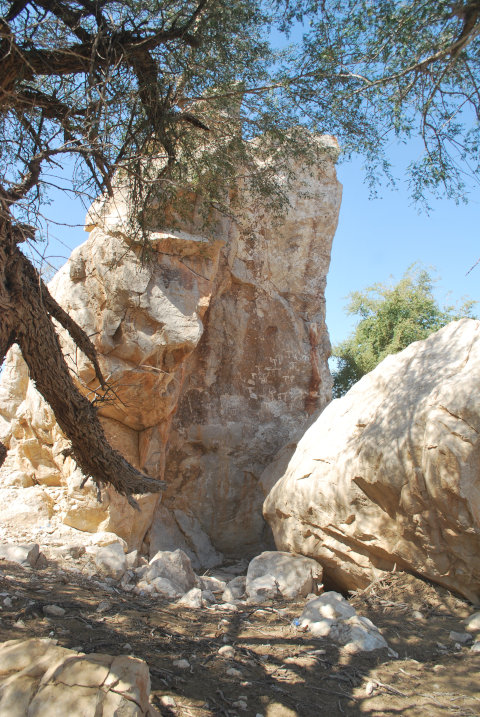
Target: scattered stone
point(127, 646)
point(131, 559)
point(460, 637)
point(41, 563)
point(110, 559)
point(235, 589)
point(207, 582)
point(163, 587)
point(417, 615)
point(167, 701)
point(472, 623)
point(262, 589)
point(191, 599)
point(103, 606)
point(174, 565)
point(76, 551)
point(369, 688)
point(240, 704)
point(227, 651)
point(23, 554)
point(476, 646)
point(54, 610)
point(144, 588)
point(208, 597)
point(228, 606)
point(8, 602)
point(329, 606)
point(277, 709)
point(331, 616)
point(294, 575)
point(233, 672)
point(181, 664)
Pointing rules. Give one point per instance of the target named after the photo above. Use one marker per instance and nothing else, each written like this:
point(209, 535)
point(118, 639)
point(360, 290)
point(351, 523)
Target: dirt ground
point(278, 671)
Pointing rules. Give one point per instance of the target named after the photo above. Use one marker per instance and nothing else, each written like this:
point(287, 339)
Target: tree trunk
point(26, 309)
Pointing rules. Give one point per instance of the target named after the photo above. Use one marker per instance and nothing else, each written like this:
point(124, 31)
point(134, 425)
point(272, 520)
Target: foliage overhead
point(391, 318)
point(189, 82)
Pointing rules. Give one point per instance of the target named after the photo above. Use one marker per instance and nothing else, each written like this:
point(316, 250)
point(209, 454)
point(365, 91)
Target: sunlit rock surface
point(390, 473)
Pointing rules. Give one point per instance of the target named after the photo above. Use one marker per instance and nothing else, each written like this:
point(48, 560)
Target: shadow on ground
point(277, 670)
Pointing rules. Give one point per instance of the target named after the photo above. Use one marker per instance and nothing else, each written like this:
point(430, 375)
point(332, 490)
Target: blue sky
point(377, 240)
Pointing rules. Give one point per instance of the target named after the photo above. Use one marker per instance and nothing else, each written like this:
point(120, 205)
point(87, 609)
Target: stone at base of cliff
point(40, 679)
point(390, 473)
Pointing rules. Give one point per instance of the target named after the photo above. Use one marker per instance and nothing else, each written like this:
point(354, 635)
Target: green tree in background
point(391, 317)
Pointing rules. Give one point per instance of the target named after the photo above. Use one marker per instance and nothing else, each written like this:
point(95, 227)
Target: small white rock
point(168, 701)
point(369, 688)
point(191, 599)
point(227, 651)
point(103, 606)
point(181, 664)
point(460, 637)
point(240, 704)
point(54, 610)
point(233, 672)
point(472, 623)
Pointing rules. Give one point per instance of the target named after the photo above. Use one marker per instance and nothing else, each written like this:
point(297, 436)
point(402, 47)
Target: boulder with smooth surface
point(390, 473)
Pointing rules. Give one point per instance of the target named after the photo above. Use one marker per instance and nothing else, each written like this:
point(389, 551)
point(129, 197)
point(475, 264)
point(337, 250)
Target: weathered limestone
point(390, 473)
point(215, 349)
point(331, 616)
point(295, 575)
point(40, 679)
point(260, 368)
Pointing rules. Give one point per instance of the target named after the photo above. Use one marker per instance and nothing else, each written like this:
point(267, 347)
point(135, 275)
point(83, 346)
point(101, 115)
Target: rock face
point(390, 473)
point(216, 351)
point(260, 367)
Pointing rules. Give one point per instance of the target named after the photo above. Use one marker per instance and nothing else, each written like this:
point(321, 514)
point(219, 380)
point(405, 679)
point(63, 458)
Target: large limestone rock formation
point(390, 473)
point(260, 368)
point(216, 350)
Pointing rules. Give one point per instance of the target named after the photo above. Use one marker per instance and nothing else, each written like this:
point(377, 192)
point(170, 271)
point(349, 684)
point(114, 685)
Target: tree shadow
point(277, 670)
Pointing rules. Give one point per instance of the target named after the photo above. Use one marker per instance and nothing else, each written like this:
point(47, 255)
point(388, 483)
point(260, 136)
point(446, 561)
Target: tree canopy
point(391, 318)
point(193, 85)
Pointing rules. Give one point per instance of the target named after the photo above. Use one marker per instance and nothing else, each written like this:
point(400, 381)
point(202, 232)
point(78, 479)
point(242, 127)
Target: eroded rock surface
point(39, 678)
point(215, 349)
point(260, 368)
point(390, 473)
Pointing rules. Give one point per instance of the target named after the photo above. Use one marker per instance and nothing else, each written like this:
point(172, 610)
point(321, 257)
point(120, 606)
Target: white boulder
point(174, 565)
point(294, 575)
point(111, 560)
point(331, 616)
point(390, 473)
